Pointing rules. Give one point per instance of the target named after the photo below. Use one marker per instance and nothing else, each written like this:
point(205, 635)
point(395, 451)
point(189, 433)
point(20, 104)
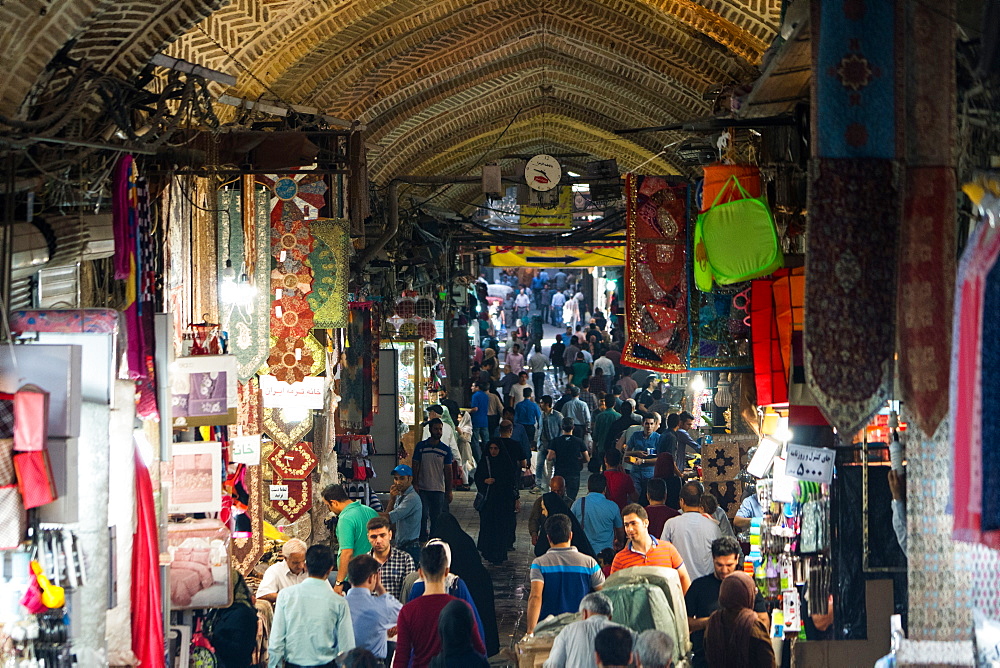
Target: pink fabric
point(147, 622)
point(31, 419)
point(966, 384)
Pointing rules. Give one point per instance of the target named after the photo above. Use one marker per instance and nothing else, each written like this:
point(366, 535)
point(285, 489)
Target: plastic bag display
point(200, 569)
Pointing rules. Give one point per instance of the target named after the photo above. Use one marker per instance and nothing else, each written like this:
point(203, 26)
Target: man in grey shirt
point(574, 646)
point(579, 411)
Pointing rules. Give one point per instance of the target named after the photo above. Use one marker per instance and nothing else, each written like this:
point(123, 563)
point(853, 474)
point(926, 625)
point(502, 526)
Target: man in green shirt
point(352, 529)
point(602, 425)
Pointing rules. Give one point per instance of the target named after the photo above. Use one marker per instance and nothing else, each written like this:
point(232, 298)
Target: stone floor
point(510, 580)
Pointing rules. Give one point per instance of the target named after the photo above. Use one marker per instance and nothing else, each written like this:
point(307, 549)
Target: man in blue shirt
point(751, 508)
point(562, 576)
point(599, 516)
point(312, 624)
point(405, 510)
point(645, 443)
point(480, 420)
point(373, 610)
point(529, 415)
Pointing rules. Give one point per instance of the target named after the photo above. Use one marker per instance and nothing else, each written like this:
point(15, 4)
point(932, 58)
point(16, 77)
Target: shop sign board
point(808, 463)
point(246, 450)
point(610, 255)
point(279, 492)
point(306, 393)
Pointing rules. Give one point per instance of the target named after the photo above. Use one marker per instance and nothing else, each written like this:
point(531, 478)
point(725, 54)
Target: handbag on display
point(735, 241)
point(34, 478)
point(31, 418)
point(13, 519)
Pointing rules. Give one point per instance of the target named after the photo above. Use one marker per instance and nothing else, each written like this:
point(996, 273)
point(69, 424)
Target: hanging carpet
point(330, 262)
point(656, 281)
point(247, 551)
point(850, 294)
point(356, 369)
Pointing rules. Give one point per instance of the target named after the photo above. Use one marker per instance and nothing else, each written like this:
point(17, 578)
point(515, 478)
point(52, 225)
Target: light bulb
point(697, 384)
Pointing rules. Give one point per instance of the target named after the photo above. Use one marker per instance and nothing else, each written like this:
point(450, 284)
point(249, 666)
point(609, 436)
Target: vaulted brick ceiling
point(436, 81)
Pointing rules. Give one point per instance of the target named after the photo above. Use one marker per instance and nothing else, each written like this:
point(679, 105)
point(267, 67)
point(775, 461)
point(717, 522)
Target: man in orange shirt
point(641, 549)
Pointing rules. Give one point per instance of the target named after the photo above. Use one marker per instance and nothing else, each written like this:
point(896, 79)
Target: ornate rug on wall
point(656, 282)
point(248, 413)
point(285, 432)
point(246, 323)
point(292, 463)
point(247, 551)
point(850, 294)
point(330, 262)
point(926, 291)
point(356, 369)
point(720, 337)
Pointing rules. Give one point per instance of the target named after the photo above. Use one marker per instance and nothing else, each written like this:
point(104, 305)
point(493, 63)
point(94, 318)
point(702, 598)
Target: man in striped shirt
point(562, 576)
point(641, 549)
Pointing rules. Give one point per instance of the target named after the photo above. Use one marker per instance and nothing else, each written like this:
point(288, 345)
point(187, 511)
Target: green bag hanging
point(735, 241)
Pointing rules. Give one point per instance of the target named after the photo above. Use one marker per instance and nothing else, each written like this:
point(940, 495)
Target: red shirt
point(418, 631)
point(658, 515)
point(619, 487)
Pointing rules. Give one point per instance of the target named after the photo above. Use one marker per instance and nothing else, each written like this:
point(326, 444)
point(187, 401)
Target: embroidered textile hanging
point(285, 432)
point(356, 369)
point(925, 294)
point(247, 323)
point(720, 329)
point(330, 260)
point(656, 306)
point(292, 463)
point(850, 294)
point(247, 551)
point(299, 500)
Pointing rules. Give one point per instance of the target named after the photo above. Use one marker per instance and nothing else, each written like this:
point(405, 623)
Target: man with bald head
point(285, 573)
point(557, 486)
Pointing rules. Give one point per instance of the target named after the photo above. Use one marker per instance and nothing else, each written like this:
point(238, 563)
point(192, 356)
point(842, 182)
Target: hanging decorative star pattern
point(297, 195)
point(721, 462)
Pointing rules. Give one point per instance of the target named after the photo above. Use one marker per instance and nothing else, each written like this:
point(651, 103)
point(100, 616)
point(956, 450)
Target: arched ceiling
point(435, 81)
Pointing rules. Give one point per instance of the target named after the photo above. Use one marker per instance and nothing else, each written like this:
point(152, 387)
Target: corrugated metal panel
point(59, 287)
point(21, 294)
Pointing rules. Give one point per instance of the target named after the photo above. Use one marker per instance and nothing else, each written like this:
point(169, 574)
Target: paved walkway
point(510, 580)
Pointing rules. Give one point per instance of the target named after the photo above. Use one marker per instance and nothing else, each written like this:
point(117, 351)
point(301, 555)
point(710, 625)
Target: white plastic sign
point(246, 450)
point(279, 492)
point(307, 393)
point(808, 463)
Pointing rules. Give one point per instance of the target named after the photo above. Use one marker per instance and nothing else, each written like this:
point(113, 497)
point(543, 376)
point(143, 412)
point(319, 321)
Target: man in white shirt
point(537, 364)
point(285, 573)
point(517, 389)
point(605, 365)
point(558, 301)
point(522, 302)
point(692, 532)
point(574, 646)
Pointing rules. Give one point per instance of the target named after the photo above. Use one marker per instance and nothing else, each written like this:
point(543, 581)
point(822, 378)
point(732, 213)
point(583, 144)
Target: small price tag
point(279, 492)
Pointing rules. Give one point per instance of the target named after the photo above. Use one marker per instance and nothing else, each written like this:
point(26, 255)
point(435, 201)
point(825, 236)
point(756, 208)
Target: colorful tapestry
point(285, 432)
point(656, 280)
point(330, 262)
point(356, 369)
point(850, 294)
point(290, 359)
point(728, 493)
point(925, 293)
point(69, 321)
point(857, 58)
point(246, 322)
point(721, 459)
point(248, 413)
point(292, 463)
point(720, 328)
point(299, 500)
point(376, 343)
point(248, 550)
point(990, 372)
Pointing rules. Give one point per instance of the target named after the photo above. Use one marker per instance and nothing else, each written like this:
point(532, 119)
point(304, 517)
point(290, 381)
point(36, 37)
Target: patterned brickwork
point(116, 37)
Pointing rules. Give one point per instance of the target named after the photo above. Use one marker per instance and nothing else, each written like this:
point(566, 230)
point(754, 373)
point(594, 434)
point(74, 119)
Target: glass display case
point(411, 394)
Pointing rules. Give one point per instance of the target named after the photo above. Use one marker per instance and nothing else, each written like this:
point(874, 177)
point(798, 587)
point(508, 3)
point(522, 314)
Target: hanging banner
point(541, 218)
point(246, 450)
point(611, 255)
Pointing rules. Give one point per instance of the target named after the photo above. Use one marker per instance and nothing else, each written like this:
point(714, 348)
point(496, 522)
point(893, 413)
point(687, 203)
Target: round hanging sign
point(286, 188)
point(542, 173)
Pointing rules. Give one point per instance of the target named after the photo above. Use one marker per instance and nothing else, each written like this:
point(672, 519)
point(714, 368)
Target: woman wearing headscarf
point(553, 505)
point(666, 469)
point(233, 630)
point(467, 564)
point(497, 481)
point(735, 636)
point(455, 627)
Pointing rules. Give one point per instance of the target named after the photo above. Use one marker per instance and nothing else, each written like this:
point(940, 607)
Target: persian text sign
point(806, 463)
point(611, 255)
point(307, 393)
point(279, 492)
point(246, 450)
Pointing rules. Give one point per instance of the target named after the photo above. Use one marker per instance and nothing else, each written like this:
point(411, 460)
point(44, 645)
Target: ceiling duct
point(60, 241)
